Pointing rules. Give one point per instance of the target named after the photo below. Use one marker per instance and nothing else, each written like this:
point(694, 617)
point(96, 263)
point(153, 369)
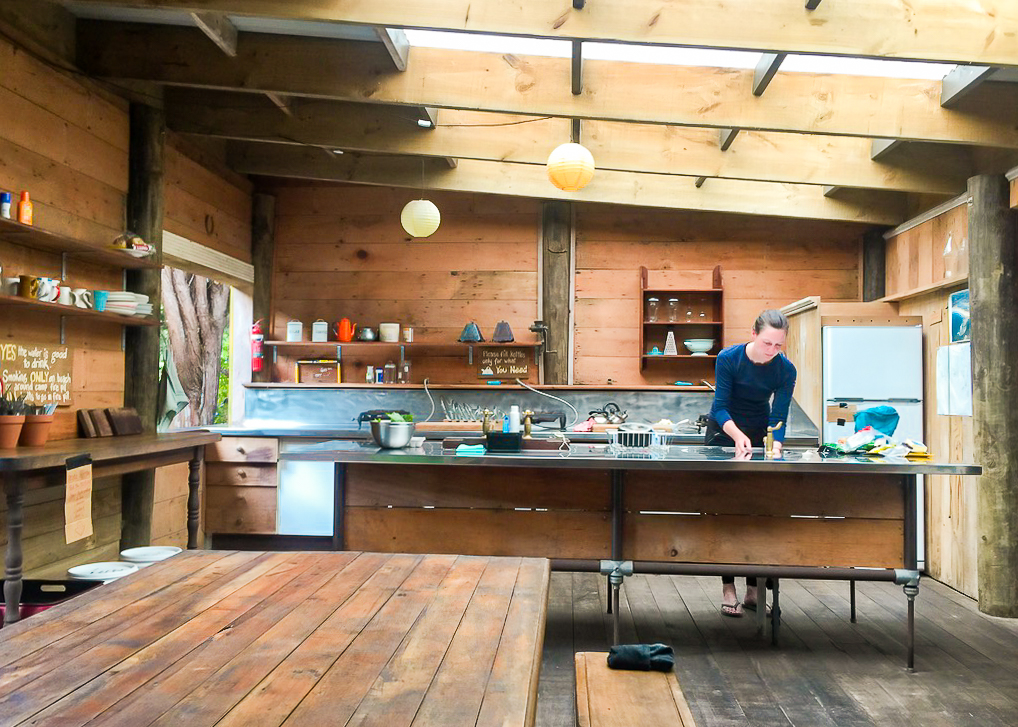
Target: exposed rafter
point(727, 136)
point(698, 182)
point(812, 4)
point(219, 29)
point(982, 32)
point(825, 104)
point(645, 190)
point(577, 69)
point(795, 158)
point(960, 82)
point(396, 43)
point(764, 72)
point(283, 103)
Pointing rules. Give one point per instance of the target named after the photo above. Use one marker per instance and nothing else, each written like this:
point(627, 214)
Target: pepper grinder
point(486, 425)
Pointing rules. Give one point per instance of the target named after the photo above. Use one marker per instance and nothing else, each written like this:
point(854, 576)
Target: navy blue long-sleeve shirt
point(744, 389)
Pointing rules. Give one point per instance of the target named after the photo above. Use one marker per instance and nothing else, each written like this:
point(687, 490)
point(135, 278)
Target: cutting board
point(447, 426)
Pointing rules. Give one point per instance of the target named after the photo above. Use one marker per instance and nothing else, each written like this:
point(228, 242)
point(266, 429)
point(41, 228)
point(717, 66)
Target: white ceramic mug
point(49, 289)
point(388, 332)
point(64, 297)
point(10, 286)
point(82, 298)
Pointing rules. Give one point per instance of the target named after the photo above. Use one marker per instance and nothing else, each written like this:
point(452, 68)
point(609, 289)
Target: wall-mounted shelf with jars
point(693, 316)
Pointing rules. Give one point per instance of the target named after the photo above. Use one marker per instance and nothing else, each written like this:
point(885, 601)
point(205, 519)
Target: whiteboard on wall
point(954, 380)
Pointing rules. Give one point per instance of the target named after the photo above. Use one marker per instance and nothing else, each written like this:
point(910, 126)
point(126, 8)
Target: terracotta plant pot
point(10, 429)
point(36, 430)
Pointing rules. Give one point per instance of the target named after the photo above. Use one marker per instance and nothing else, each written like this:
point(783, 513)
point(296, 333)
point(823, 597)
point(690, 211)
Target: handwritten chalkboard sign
point(41, 371)
point(493, 363)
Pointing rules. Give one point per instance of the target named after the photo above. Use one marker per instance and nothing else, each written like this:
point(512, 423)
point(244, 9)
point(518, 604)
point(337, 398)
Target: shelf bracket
point(123, 338)
point(63, 268)
point(274, 354)
point(470, 355)
point(339, 353)
point(63, 330)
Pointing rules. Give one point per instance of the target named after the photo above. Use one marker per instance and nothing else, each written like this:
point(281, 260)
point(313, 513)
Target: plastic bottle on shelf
point(514, 418)
point(5, 205)
point(25, 209)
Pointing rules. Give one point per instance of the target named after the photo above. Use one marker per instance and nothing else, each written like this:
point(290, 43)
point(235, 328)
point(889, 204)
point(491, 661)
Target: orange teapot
point(344, 330)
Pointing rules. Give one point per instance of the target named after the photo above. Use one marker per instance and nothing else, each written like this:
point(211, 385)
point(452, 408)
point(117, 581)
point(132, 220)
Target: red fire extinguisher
point(257, 341)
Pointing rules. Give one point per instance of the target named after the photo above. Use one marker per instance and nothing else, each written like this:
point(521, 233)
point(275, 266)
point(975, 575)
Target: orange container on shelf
point(25, 209)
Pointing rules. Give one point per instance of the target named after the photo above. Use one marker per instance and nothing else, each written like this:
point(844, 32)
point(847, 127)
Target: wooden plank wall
point(766, 263)
point(341, 252)
point(205, 201)
point(951, 503)
point(919, 258)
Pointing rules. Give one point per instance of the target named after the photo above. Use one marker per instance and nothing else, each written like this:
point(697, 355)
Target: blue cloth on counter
point(470, 450)
point(744, 389)
point(882, 418)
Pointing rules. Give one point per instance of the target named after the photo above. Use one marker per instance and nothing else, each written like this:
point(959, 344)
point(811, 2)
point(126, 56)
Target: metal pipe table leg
point(776, 612)
point(911, 591)
point(339, 507)
point(615, 615)
point(851, 596)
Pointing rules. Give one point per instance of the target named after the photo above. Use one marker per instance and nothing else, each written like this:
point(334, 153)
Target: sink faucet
point(769, 439)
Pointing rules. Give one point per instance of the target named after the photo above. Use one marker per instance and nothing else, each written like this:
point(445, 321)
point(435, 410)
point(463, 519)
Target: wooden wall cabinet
point(240, 485)
point(695, 311)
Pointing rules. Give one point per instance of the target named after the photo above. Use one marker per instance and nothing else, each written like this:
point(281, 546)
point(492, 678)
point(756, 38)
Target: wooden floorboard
point(826, 670)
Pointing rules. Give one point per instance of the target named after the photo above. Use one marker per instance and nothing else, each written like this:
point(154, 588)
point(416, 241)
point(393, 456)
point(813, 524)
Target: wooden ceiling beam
point(934, 30)
point(525, 180)
point(760, 156)
point(538, 86)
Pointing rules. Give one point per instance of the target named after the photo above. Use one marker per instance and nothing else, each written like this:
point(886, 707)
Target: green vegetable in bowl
point(395, 416)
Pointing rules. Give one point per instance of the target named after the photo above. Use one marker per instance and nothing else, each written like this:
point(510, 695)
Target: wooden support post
point(556, 297)
point(263, 234)
point(874, 264)
point(993, 285)
point(145, 205)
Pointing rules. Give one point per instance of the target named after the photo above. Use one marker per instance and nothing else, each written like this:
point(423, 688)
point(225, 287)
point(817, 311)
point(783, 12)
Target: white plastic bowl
point(699, 345)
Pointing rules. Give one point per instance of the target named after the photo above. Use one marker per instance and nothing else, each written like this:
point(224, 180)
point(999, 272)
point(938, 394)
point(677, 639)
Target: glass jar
point(653, 309)
point(403, 374)
point(369, 375)
point(688, 305)
point(389, 373)
point(702, 306)
point(673, 310)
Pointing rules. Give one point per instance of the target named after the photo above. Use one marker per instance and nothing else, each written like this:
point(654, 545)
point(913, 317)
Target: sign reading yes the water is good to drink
point(40, 371)
point(495, 362)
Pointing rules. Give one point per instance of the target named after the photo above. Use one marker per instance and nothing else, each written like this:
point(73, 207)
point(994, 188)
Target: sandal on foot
point(731, 609)
point(752, 607)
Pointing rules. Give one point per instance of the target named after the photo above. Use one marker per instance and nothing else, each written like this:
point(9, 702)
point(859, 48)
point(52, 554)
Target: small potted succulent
point(38, 420)
point(12, 419)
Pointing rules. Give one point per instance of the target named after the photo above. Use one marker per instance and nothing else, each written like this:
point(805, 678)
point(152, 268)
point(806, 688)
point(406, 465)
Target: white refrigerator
point(867, 366)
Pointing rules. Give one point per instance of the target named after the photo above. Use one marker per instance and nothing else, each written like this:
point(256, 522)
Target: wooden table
point(260, 639)
point(28, 468)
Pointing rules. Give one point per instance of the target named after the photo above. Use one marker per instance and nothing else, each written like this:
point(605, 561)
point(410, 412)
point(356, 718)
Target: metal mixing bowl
point(392, 435)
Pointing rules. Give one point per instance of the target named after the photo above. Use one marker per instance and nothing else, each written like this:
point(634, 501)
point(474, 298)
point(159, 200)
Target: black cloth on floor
point(641, 657)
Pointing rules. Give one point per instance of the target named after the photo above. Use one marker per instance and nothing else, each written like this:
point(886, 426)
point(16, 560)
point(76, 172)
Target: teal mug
point(99, 299)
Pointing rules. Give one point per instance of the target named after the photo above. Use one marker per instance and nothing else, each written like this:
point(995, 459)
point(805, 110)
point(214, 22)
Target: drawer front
point(243, 449)
point(225, 474)
point(240, 510)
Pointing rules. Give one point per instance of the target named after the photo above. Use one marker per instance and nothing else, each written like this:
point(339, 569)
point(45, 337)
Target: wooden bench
point(616, 698)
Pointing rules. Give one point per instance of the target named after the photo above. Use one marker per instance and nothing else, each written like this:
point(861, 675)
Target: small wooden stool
point(619, 698)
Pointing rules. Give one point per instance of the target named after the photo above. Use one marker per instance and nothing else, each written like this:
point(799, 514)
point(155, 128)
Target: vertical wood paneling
point(340, 251)
point(919, 258)
point(766, 263)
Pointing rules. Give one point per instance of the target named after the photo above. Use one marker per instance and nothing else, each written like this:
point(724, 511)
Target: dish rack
point(646, 441)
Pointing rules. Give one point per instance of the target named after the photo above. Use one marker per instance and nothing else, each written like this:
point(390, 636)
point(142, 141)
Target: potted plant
point(12, 418)
point(38, 420)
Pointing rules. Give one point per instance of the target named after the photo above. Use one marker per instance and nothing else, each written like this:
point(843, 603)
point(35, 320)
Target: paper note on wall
point(954, 380)
point(78, 503)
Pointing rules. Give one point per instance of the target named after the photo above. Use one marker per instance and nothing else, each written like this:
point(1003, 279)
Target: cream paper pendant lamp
point(570, 167)
point(420, 218)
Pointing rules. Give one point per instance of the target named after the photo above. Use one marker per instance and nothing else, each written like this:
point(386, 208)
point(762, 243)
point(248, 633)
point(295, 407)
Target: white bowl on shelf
point(699, 346)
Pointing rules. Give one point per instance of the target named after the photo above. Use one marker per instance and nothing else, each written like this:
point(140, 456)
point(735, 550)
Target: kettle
point(366, 334)
point(344, 330)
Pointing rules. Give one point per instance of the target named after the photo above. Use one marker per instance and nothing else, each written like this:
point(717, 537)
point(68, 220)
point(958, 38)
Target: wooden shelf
point(70, 310)
point(655, 356)
point(39, 239)
point(683, 323)
point(309, 345)
point(436, 387)
point(682, 290)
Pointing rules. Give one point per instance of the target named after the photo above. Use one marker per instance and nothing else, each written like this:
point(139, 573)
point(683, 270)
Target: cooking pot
point(366, 334)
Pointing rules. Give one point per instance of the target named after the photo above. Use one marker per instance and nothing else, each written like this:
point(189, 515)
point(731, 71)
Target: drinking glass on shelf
point(702, 306)
point(689, 308)
point(653, 305)
point(673, 310)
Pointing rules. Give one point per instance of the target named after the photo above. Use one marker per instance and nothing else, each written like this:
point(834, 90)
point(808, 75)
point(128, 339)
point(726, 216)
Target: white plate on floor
point(101, 571)
point(149, 553)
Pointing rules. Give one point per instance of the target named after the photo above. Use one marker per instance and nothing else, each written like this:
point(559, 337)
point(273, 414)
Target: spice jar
point(673, 310)
point(389, 373)
point(653, 309)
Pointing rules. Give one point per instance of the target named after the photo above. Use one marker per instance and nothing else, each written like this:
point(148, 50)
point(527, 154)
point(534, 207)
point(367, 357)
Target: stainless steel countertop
point(592, 456)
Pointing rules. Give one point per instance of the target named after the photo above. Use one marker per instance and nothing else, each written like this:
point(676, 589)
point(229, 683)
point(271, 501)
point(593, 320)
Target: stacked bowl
point(127, 303)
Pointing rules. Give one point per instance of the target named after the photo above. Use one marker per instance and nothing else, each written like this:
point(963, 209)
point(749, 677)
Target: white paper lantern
point(420, 218)
point(570, 167)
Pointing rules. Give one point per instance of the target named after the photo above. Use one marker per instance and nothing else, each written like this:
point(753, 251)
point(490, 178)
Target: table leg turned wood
point(13, 559)
point(194, 497)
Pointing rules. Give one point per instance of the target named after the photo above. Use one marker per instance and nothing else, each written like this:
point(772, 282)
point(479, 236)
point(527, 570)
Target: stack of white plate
point(105, 572)
point(146, 556)
point(123, 302)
